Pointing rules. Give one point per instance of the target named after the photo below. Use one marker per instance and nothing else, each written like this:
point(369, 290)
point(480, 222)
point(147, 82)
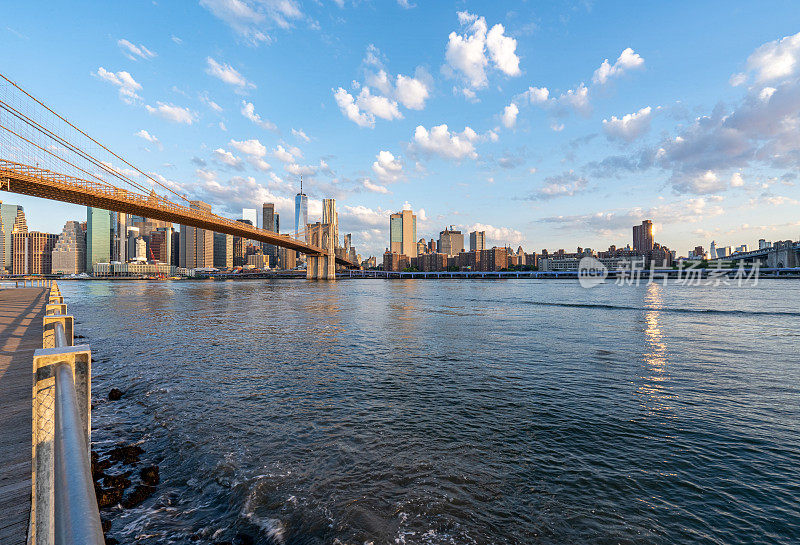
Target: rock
point(149, 475)
point(136, 496)
point(107, 497)
point(243, 539)
point(115, 394)
point(99, 466)
point(126, 454)
point(117, 481)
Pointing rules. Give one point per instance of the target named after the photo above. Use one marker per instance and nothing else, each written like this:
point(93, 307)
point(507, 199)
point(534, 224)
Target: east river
point(462, 411)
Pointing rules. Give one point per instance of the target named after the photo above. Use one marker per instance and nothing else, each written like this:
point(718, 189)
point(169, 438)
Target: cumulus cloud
point(228, 74)
point(171, 112)
point(144, 135)
point(249, 111)
point(776, 60)
point(498, 236)
point(375, 188)
point(204, 98)
point(467, 53)
point(629, 127)
point(227, 158)
point(510, 115)
point(627, 60)
point(127, 86)
point(387, 167)
point(135, 52)
point(412, 92)
point(249, 147)
point(284, 155)
point(566, 184)
point(449, 145)
point(536, 95)
point(363, 109)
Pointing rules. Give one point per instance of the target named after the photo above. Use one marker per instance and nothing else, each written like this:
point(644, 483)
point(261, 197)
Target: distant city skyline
point(550, 125)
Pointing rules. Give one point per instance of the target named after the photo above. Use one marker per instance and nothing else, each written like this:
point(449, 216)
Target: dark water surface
point(410, 412)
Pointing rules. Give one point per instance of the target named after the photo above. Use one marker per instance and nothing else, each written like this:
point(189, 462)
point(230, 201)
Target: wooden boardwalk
point(21, 313)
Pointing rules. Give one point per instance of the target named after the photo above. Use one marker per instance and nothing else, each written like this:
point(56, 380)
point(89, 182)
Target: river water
point(452, 411)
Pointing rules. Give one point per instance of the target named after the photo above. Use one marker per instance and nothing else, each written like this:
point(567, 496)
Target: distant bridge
point(33, 137)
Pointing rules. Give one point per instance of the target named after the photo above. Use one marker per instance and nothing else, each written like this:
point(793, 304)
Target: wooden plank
point(20, 335)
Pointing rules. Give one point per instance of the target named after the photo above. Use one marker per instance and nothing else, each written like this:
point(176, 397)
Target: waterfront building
point(330, 216)
point(130, 251)
point(240, 247)
point(493, 259)
point(392, 261)
point(175, 249)
point(119, 237)
point(33, 251)
point(98, 237)
point(300, 212)
point(643, 236)
point(223, 251)
point(403, 233)
point(258, 261)
point(133, 269)
point(477, 241)
point(197, 245)
point(69, 253)
point(287, 258)
point(10, 214)
point(451, 242)
point(763, 244)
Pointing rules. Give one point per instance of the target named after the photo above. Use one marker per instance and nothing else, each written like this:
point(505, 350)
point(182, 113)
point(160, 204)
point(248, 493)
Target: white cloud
point(249, 111)
point(537, 95)
point(411, 92)
point(406, 4)
point(210, 103)
point(577, 99)
point(737, 79)
point(281, 154)
point(498, 235)
point(227, 158)
point(701, 184)
point(363, 109)
point(442, 142)
point(502, 50)
point(375, 188)
point(776, 60)
point(348, 107)
point(250, 19)
point(249, 147)
point(387, 167)
point(300, 135)
point(766, 93)
point(143, 134)
point(627, 60)
point(629, 127)
point(171, 112)
point(135, 52)
point(510, 115)
point(259, 163)
point(128, 86)
point(228, 74)
point(737, 180)
point(466, 53)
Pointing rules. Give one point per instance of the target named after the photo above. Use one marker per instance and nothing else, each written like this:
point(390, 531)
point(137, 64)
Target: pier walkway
point(21, 314)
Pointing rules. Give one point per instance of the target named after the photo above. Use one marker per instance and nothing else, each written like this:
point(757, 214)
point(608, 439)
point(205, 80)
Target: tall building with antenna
point(300, 212)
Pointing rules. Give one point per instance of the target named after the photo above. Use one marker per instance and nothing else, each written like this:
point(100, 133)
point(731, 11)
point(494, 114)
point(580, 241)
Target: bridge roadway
point(21, 313)
point(46, 184)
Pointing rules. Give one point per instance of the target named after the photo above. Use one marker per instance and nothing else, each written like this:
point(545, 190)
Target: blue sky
point(548, 124)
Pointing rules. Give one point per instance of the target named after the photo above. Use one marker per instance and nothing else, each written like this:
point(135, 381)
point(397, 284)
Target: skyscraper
point(643, 237)
point(329, 215)
point(33, 252)
point(197, 245)
point(98, 237)
point(451, 242)
point(8, 216)
point(250, 214)
point(477, 241)
point(269, 223)
point(403, 233)
point(69, 254)
point(223, 251)
point(300, 212)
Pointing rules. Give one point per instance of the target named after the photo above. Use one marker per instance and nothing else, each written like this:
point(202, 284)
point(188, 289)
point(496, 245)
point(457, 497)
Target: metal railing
point(64, 506)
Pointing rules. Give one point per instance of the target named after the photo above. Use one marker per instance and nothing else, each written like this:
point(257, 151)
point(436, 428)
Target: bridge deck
point(21, 312)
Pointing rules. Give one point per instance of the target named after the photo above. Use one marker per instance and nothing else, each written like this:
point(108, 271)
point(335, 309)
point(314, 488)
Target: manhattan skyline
point(558, 132)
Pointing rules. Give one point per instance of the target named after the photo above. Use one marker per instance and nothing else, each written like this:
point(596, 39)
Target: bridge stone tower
point(321, 267)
